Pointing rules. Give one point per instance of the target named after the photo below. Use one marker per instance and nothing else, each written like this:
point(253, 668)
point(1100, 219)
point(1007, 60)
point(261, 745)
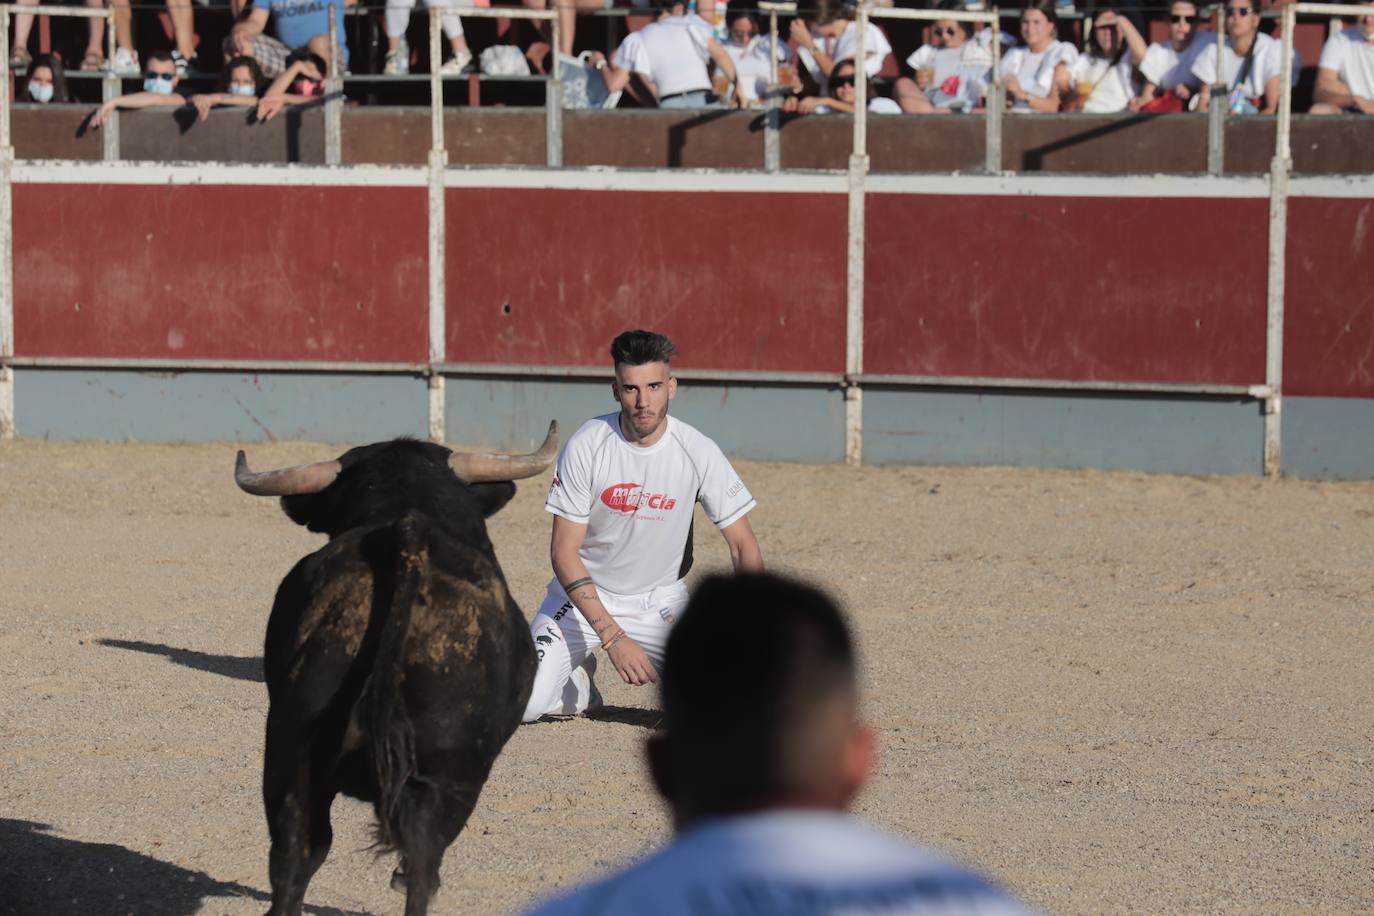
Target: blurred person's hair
point(666, 6)
point(827, 11)
point(759, 697)
point(59, 75)
point(162, 57)
point(1095, 47)
point(959, 6)
point(844, 62)
point(636, 348)
point(243, 60)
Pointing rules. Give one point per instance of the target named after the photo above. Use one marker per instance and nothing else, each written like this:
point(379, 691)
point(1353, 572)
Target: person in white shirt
point(830, 36)
point(1104, 76)
point(761, 756)
point(622, 498)
point(1254, 86)
point(1168, 66)
point(670, 56)
point(952, 73)
point(1037, 74)
point(842, 95)
point(1345, 74)
point(752, 54)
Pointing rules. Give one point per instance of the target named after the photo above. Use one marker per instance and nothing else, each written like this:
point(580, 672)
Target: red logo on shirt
point(629, 497)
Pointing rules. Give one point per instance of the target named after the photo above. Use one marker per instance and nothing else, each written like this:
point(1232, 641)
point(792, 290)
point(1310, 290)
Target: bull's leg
point(433, 820)
point(297, 819)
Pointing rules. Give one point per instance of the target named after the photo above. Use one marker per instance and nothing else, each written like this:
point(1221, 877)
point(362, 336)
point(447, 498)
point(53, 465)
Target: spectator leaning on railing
point(1037, 74)
point(1345, 75)
point(1250, 66)
point(1167, 70)
point(1104, 75)
point(670, 56)
point(952, 73)
point(240, 85)
point(47, 81)
point(841, 95)
point(301, 25)
point(160, 82)
point(301, 83)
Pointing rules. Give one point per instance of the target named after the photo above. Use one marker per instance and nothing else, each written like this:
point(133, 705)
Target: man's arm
point(253, 24)
point(1271, 96)
point(744, 547)
point(1331, 90)
point(133, 101)
point(565, 551)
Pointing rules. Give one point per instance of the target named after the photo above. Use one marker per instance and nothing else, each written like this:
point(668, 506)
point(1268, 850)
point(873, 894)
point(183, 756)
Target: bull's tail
point(389, 727)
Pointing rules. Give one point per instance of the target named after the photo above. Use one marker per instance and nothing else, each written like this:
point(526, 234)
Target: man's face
point(1242, 18)
point(1182, 24)
point(643, 392)
point(1367, 27)
point(162, 71)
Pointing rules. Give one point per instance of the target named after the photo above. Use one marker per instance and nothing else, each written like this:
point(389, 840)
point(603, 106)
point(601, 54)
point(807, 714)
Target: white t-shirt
point(812, 862)
point(1035, 72)
point(752, 64)
point(1352, 58)
point(1268, 60)
point(637, 502)
point(960, 73)
point(876, 49)
point(1166, 68)
point(1113, 85)
point(671, 52)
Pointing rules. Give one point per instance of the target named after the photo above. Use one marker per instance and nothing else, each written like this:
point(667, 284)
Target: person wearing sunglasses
point(1250, 64)
point(831, 35)
point(1104, 75)
point(160, 83)
point(1167, 70)
point(1037, 74)
point(1345, 74)
point(752, 55)
point(952, 72)
point(842, 95)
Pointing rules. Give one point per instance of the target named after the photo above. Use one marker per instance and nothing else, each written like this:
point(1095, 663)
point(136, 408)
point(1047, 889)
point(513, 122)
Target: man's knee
point(1322, 108)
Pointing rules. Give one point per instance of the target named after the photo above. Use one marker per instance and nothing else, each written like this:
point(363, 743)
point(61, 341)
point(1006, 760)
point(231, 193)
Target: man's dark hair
point(635, 348)
point(306, 54)
point(748, 674)
point(161, 56)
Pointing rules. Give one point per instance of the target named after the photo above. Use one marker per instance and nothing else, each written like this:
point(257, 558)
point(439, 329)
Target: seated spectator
point(761, 756)
point(1104, 75)
point(1037, 74)
point(951, 73)
point(47, 81)
point(832, 35)
point(752, 54)
point(841, 95)
point(1168, 66)
point(1251, 64)
point(301, 83)
point(1345, 75)
point(95, 38)
point(669, 56)
point(397, 20)
point(160, 82)
point(239, 86)
point(301, 25)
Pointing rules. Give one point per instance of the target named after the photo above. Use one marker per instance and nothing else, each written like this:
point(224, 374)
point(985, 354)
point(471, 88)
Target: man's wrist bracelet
point(571, 586)
point(613, 640)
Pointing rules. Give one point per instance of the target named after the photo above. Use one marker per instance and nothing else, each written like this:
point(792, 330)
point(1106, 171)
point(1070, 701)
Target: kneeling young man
point(622, 498)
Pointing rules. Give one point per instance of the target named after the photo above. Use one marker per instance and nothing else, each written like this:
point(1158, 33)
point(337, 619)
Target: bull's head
point(373, 482)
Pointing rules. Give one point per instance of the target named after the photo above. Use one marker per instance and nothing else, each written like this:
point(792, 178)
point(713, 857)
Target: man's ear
point(859, 762)
point(615, 392)
point(672, 387)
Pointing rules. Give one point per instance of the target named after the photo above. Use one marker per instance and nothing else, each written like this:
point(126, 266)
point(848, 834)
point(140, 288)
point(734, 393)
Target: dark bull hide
point(397, 663)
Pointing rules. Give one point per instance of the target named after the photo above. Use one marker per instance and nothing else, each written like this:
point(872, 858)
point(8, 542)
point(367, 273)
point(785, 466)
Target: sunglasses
point(160, 76)
point(1232, 11)
point(1187, 19)
point(847, 80)
point(945, 33)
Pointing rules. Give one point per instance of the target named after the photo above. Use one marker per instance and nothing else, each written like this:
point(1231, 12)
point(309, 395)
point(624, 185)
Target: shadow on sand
point(239, 667)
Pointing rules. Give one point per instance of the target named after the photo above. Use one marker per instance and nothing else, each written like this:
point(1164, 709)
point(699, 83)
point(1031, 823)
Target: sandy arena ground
point(1111, 691)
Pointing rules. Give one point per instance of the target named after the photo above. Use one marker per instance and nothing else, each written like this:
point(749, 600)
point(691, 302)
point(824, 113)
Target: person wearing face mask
point(1345, 74)
point(301, 83)
point(952, 72)
point(239, 86)
point(1037, 74)
point(160, 82)
point(1104, 75)
point(47, 83)
point(1250, 64)
point(1167, 69)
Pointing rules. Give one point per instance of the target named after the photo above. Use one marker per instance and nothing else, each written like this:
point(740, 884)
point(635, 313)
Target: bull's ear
point(493, 495)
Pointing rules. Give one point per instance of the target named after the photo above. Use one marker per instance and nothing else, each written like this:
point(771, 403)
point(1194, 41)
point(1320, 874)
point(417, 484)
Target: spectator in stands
point(160, 82)
point(301, 25)
point(752, 54)
point(397, 19)
point(1251, 64)
point(239, 86)
point(761, 756)
point(842, 95)
point(95, 38)
point(669, 56)
point(1345, 75)
point(952, 73)
point(1104, 75)
point(568, 10)
point(47, 81)
point(1167, 69)
point(832, 35)
point(1037, 74)
point(301, 83)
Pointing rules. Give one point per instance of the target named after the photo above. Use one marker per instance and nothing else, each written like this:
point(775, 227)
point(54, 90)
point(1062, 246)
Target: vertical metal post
point(109, 90)
point(854, 287)
point(553, 104)
point(6, 238)
point(1218, 101)
point(993, 141)
point(1279, 171)
point(772, 153)
point(438, 160)
point(333, 106)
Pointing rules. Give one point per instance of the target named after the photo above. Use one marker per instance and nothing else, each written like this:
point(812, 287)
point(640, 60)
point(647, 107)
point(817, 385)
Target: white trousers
point(564, 640)
point(398, 17)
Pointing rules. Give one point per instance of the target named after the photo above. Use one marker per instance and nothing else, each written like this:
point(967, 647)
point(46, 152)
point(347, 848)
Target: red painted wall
point(742, 281)
point(1065, 288)
point(1328, 334)
point(204, 272)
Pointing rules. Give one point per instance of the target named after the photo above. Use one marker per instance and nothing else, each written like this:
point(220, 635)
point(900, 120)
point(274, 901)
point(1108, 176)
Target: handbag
point(583, 86)
point(504, 60)
point(1168, 103)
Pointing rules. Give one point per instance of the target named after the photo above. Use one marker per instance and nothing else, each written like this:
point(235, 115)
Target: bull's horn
point(475, 467)
point(303, 478)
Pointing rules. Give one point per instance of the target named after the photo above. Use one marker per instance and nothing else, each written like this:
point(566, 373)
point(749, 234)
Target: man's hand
point(203, 104)
point(632, 662)
point(270, 106)
point(802, 35)
point(102, 114)
point(1365, 105)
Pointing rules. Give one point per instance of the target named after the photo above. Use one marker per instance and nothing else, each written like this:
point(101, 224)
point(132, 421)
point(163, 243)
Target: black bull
point(397, 662)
